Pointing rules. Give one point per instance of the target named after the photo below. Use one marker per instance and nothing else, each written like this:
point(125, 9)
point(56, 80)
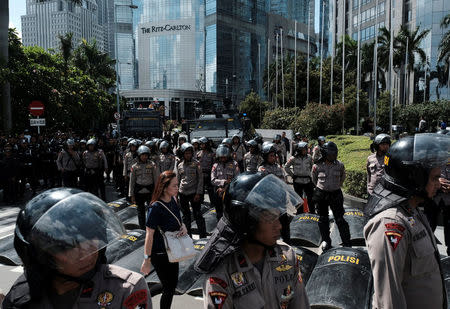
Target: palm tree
point(351, 53)
point(408, 43)
point(66, 46)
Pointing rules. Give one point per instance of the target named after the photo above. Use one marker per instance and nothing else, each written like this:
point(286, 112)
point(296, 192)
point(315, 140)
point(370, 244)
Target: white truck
point(216, 126)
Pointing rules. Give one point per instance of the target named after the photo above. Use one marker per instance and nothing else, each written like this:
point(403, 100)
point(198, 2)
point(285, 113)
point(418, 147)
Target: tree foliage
point(254, 107)
point(73, 96)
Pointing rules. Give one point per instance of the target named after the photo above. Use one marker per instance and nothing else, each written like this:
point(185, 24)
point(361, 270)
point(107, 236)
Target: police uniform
point(190, 178)
point(166, 162)
point(95, 164)
point(239, 153)
point(404, 259)
point(272, 169)
point(111, 287)
point(301, 174)
point(68, 165)
point(206, 159)
point(252, 161)
point(281, 151)
point(375, 169)
point(237, 283)
point(222, 173)
point(328, 179)
point(143, 177)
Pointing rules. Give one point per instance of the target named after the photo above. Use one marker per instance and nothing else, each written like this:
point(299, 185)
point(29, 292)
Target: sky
point(17, 8)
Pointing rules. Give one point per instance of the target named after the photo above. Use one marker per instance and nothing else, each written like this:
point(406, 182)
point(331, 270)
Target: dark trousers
point(70, 179)
point(432, 212)
point(168, 275)
point(218, 204)
point(308, 189)
point(187, 201)
point(285, 221)
point(335, 200)
point(141, 198)
point(95, 182)
point(208, 187)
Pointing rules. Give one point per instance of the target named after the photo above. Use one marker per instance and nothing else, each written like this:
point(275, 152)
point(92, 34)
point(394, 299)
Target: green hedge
point(356, 183)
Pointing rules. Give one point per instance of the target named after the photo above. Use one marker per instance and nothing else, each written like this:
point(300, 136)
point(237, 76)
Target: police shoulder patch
point(136, 300)
point(394, 238)
point(218, 281)
point(218, 299)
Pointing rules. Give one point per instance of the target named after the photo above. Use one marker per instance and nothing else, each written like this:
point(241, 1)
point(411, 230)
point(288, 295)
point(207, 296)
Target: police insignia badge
point(394, 238)
point(286, 297)
point(104, 299)
point(238, 279)
point(218, 299)
point(283, 267)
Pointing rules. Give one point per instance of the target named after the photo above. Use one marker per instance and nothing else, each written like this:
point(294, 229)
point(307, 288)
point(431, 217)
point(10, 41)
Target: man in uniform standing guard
point(401, 245)
point(375, 162)
point(328, 175)
point(95, 164)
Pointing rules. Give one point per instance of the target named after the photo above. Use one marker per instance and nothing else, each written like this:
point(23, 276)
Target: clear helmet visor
point(76, 230)
point(431, 149)
point(273, 196)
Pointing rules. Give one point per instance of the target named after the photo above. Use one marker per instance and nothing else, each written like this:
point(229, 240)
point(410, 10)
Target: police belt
point(139, 187)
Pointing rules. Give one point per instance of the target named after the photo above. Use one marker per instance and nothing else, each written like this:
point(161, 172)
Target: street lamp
point(131, 6)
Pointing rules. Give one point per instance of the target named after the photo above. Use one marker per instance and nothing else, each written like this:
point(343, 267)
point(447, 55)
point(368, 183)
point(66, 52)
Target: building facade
point(45, 21)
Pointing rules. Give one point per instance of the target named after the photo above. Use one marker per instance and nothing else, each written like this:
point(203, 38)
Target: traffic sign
point(117, 115)
point(36, 108)
point(37, 122)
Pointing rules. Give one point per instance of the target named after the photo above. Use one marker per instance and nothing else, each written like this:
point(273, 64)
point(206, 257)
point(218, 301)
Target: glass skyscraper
point(429, 15)
point(171, 44)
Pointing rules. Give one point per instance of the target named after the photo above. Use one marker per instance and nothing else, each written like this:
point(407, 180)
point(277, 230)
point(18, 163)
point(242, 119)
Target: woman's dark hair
point(163, 182)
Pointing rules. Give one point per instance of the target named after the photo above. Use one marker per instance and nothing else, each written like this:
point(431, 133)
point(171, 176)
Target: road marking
point(9, 212)
point(7, 228)
point(4, 236)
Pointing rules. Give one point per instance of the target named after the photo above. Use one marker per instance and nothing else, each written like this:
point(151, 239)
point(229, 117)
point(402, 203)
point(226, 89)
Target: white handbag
point(178, 248)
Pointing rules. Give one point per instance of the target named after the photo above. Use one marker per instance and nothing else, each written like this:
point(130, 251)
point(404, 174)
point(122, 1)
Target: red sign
point(36, 108)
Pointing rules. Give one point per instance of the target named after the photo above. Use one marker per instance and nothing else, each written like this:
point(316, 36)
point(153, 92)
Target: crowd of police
point(247, 185)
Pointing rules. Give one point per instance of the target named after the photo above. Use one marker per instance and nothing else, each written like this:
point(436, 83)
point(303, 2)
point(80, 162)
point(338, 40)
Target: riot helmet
point(83, 141)
point(380, 139)
point(267, 149)
point(64, 222)
point(150, 144)
point(321, 140)
point(132, 143)
point(252, 143)
point(92, 141)
point(227, 141)
point(277, 138)
point(258, 138)
point(186, 147)
point(164, 145)
point(70, 142)
point(329, 149)
point(297, 135)
point(203, 140)
point(223, 151)
point(236, 136)
point(250, 199)
point(298, 148)
point(410, 160)
point(143, 150)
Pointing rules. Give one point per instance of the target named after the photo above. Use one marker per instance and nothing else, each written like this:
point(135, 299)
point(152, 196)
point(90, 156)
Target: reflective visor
point(431, 149)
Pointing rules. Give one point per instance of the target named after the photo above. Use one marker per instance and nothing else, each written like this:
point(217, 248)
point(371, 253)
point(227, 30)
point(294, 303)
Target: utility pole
point(344, 15)
point(282, 66)
point(375, 68)
point(391, 60)
point(307, 60)
point(321, 50)
point(5, 89)
point(295, 66)
point(358, 73)
point(332, 7)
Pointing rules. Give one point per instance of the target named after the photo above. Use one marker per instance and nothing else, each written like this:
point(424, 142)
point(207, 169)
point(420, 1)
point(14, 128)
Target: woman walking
point(163, 214)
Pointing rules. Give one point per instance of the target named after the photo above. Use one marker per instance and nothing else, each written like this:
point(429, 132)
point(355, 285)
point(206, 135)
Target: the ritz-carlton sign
point(153, 29)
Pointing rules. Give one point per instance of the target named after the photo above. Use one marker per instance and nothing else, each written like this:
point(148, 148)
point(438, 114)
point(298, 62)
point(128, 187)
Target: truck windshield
point(217, 124)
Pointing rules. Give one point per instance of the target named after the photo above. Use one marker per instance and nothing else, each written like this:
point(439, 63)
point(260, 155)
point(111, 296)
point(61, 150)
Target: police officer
point(221, 175)
point(269, 165)
point(154, 156)
point(181, 141)
point(245, 266)
point(252, 159)
point(328, 175)
point(297, 139)
point(206, 158)
point(110, 149)
point(196, 144)
point(68, 162)
point(401, 245)
point(65, 264)
point(375, 162)
point(281, 149)
point(299, 168)
point(143, 176)
point(317, 154)
point(95, 165)
point(190, 179)
point(119, 154)
point(9, 165)
point(128, 161)
point(166, 158)
point(238, 151)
